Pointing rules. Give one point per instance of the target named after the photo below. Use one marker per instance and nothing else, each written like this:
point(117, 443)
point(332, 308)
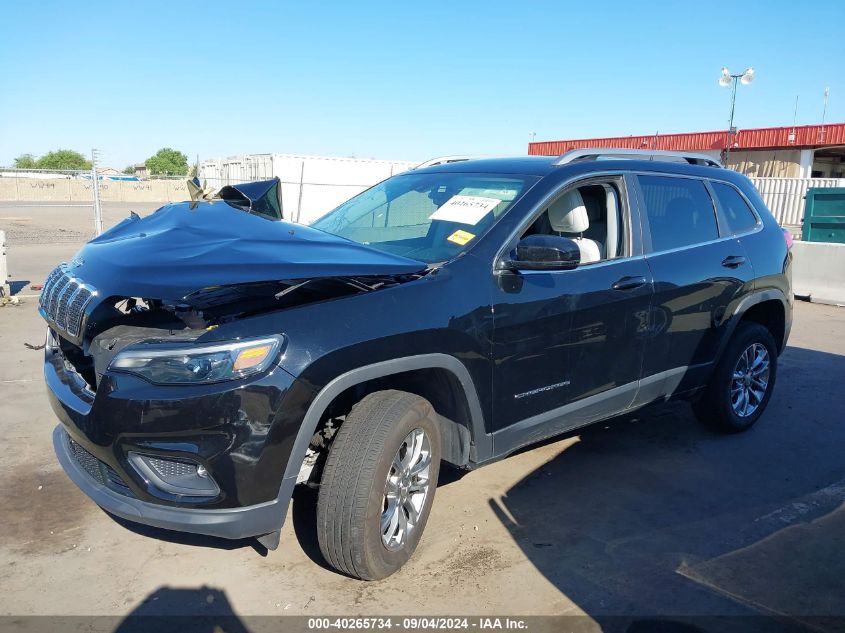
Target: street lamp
point(726, 79)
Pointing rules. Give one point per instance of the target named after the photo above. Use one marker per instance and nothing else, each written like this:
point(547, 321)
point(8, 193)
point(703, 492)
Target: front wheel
point(742, 382)
point(378, 484)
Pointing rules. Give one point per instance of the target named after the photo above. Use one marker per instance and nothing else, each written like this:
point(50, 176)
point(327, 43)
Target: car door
point(699, 268)
point(568, 344)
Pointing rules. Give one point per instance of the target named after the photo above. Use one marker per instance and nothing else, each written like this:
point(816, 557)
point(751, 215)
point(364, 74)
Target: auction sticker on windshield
point(460, 237)
point(465, 209)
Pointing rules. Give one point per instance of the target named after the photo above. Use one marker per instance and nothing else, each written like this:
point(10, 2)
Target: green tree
point(167, 161)
point(129, 169)
point(63, 159)
point(26, 161)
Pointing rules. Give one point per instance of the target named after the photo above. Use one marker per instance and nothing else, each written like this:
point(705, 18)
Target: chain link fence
point(311, 185)
point(47, 206)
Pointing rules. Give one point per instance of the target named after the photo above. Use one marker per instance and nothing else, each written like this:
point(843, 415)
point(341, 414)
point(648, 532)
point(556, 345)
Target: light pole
point(727, 79)
point(824, 110)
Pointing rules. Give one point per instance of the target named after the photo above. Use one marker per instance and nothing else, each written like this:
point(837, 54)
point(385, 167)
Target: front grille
point(114, 481)
point(168, 468)
point(76, 310)
point(89, 463)
point(64, 299)
point(100, 472)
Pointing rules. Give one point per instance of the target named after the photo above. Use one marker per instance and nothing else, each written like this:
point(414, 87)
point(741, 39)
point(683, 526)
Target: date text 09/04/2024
point(417, 623)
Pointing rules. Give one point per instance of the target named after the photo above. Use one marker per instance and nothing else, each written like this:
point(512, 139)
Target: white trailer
point(311, 185)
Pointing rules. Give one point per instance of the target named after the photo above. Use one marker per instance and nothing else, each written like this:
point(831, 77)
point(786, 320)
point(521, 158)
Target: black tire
point(352, 490)
point(715, 407)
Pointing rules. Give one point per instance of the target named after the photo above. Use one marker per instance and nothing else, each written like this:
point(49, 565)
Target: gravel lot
point(35, 223)
point(650, 514)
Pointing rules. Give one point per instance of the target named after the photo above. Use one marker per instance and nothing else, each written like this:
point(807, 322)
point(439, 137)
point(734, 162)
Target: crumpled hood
point(178, 250)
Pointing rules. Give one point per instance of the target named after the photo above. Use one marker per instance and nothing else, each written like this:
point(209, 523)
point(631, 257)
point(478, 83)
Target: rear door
point(699, 269)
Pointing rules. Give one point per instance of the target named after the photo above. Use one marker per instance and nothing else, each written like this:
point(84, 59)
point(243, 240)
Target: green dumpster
point(824, 215)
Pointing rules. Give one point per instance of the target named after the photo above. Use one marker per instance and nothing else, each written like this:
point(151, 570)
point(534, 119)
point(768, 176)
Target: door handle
point(733, 261)
point(629, 282)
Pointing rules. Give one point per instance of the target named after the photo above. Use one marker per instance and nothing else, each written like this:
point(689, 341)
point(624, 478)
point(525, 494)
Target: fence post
point(4, 269)
point(301, 184)
point(98, 212)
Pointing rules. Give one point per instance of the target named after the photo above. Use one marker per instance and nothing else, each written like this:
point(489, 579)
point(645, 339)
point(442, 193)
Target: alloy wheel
point(406, 489)
point(750, 380)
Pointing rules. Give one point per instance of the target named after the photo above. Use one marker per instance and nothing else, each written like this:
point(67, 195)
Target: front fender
point(482, 442)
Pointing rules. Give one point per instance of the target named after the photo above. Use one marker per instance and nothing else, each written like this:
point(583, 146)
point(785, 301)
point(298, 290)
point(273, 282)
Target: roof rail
point(643, 154)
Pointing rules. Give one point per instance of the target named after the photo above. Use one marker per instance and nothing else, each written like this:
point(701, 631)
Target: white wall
point(785, 196)
point(311, 185)
point(806, 163)
point(329, 181)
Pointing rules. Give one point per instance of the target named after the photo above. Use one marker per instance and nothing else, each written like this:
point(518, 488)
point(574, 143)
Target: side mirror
point(544, 252)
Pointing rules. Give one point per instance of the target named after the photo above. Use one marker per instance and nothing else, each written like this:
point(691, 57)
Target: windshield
point(428, 217)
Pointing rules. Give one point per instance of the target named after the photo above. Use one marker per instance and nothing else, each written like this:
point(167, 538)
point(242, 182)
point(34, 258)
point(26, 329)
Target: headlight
point(170, 365)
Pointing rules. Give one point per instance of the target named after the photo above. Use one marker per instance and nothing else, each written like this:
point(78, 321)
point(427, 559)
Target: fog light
point(174, 476)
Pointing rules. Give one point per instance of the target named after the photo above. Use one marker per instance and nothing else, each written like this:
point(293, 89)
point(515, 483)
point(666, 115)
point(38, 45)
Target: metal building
point(804, 151)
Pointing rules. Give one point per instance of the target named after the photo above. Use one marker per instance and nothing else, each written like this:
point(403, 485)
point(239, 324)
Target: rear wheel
point(742, 382)
point(378, 484)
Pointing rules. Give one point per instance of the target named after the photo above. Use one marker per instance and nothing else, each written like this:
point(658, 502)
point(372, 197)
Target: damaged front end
point(191, 267)
point(91, 338)
point(155, 415)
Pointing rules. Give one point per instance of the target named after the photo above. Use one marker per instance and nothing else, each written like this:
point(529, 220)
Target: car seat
point(568, 217)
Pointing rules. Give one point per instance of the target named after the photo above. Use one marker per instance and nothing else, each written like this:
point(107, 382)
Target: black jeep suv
point(207, 358)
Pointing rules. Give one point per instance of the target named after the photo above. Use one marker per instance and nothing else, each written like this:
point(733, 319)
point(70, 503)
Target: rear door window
point(738, 214)
point(679, 212)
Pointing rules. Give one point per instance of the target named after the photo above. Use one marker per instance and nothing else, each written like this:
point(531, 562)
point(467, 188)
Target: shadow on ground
point(192, 610)
point(655, 514)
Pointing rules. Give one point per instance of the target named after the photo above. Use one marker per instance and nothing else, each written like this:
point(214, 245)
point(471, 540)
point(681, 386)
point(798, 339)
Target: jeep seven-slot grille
point(97, 470)
point(64, 299)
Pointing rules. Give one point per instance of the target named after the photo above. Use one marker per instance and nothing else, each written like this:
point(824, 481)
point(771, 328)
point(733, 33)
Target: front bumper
point(242, 434)
point(231, 523)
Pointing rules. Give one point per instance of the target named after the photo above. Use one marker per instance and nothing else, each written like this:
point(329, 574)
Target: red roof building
point(801, 151)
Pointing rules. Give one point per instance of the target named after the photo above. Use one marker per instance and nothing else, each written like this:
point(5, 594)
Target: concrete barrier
point(818, 272)
point(76, 190)
point(8, 189)
point(36, 189)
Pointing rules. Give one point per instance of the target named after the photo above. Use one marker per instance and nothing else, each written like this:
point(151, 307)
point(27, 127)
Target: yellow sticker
point(460, 237)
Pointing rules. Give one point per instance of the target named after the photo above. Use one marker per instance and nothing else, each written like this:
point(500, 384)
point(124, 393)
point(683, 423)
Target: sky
point(400, 80)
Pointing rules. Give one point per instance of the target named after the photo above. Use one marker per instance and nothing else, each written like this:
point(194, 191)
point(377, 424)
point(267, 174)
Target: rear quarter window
point(679, 210)
point(738, 214)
